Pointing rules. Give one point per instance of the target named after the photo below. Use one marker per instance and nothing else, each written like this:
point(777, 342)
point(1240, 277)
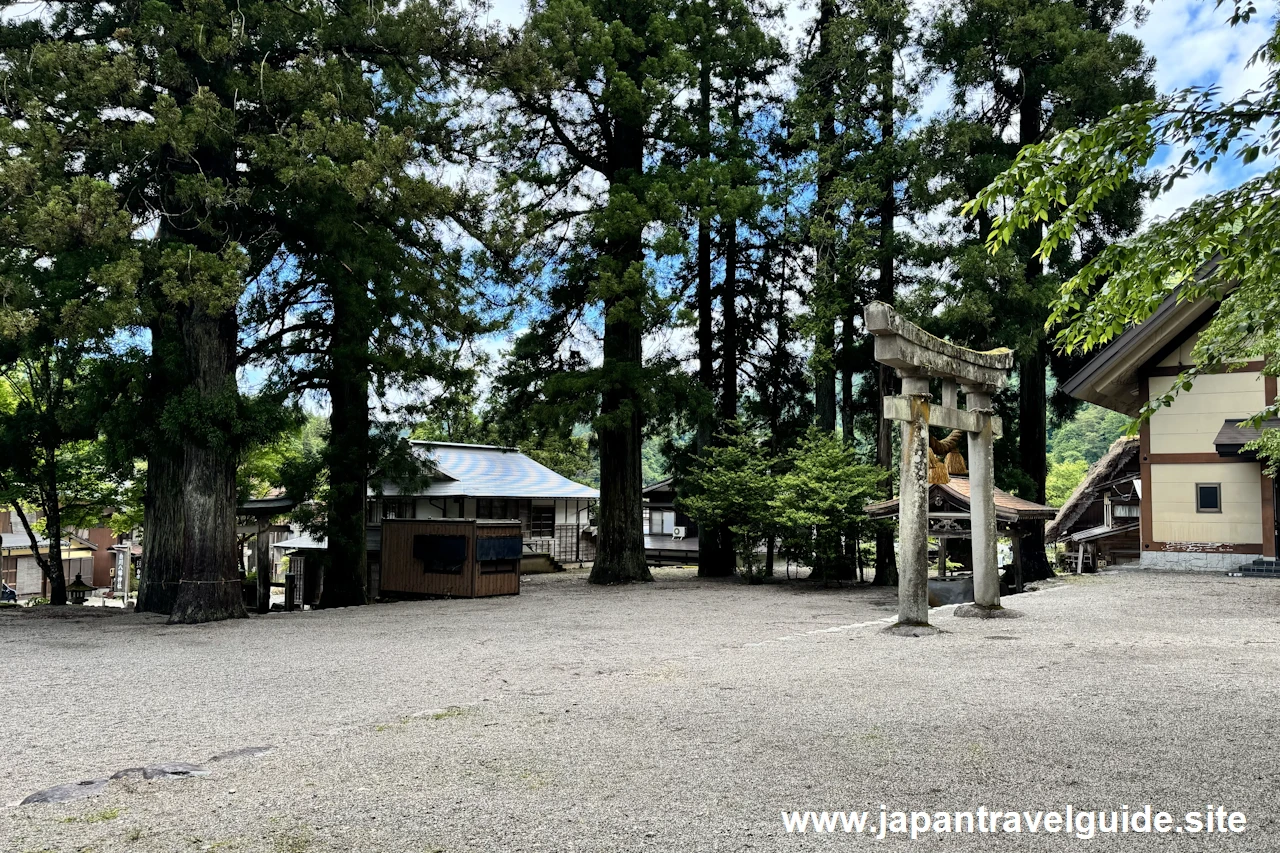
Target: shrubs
point(812, 497)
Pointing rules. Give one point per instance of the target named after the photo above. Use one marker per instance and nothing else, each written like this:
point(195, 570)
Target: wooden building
point(670, 535)
point(1207, 504)
point(483, 481)
point(1100, 522)
point(949, 521)
point(457, 558)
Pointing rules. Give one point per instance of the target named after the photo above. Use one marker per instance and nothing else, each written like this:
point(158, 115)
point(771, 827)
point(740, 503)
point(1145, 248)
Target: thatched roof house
point(1101, 519)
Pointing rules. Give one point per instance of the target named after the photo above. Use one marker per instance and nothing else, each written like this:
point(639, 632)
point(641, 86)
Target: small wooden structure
point(457, 557)
point(1102, 518)
point(950, 516)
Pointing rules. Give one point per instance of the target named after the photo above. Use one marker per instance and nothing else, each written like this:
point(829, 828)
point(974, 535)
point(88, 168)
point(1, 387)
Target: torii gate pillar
point(918, 357)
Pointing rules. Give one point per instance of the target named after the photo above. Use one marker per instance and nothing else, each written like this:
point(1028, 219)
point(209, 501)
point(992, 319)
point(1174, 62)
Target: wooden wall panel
point(403, 574)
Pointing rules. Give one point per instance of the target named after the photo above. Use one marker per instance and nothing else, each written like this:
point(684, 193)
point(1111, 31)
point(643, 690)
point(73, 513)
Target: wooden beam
point(252, 529)
point(899, 409)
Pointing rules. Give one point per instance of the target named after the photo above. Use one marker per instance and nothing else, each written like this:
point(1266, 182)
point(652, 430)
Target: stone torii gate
point(919, 357)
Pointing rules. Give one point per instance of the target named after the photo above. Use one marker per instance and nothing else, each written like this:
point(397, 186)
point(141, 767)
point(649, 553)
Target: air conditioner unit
point(677, 533)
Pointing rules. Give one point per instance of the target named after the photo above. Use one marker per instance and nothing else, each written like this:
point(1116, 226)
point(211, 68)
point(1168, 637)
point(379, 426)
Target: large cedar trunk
point(722, 560)
point(620, 555)
point(210, 587)
point(1032, 450)
point(1032, 396)
point(345, 577)
point(886, 557)
point(886, 291)
point(162, 503)
point(824, 378)
point(714, 559)
point(162, 523)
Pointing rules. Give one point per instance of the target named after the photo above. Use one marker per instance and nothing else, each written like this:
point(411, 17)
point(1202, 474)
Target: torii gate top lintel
point(912, 351)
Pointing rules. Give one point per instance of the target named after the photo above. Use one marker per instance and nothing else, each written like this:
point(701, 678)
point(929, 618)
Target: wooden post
point(290, 585)
point(942, 556)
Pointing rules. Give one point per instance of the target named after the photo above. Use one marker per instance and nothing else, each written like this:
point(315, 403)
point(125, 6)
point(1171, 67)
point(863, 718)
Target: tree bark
point(620, 555)
point(712, 557)
point(886, 568)
point(886, 555)
point(51, 563)
point(210, 588)
point(1032, 391)
point(825, 370)
point(346, 575)
point(162, 503)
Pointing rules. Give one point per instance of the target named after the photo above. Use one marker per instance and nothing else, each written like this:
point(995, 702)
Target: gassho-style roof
point(488, 471)
point(1101, 473)
point(1009, 508)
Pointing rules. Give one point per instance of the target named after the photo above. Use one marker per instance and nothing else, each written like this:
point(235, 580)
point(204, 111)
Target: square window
point(1208, 497)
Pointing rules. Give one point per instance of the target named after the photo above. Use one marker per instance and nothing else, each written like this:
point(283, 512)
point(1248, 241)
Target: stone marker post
point(913, 506)
point(982, 503)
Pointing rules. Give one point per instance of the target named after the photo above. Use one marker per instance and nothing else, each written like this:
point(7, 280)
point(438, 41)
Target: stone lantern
point(78, 590)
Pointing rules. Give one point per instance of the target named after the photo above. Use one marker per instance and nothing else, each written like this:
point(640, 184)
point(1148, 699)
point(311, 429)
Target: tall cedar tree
point(366, 297)
point(890, 165)
point(853, 103)
point(144, 98)
point(1024, 70)
point(592, 87)
point(212, 120)
point(732, 58)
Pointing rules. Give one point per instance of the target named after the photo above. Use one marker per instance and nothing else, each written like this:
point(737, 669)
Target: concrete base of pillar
point(900, 629)
point(977, 611)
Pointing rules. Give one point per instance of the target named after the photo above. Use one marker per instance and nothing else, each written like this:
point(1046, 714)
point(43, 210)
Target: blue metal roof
point(480, 470)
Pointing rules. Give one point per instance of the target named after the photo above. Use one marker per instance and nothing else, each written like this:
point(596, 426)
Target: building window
point(402, 508)
point(496, 508)
point(542, 522)
point(375, 511)
point(1208, 497)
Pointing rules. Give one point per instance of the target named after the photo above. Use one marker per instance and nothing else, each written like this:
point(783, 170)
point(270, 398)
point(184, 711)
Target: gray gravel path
point(678, 716)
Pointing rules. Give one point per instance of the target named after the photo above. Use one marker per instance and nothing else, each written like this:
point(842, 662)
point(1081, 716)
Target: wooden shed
point(457, 557)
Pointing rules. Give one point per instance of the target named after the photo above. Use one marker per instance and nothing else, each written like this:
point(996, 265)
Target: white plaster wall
point(1190, 424)
point(1173, 503)
point(1181, 357)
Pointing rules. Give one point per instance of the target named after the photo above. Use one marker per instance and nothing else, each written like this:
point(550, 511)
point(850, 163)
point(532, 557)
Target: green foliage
point(1063, 478)
point(823, 495)
point(1219, 247)
point(1024, 71)
point(733, 483)
point(69, 274)
point(813, 495)
point(1087, 436)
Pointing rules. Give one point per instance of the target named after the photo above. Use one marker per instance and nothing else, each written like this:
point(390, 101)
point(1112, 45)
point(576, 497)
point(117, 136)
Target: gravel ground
point(683, 715)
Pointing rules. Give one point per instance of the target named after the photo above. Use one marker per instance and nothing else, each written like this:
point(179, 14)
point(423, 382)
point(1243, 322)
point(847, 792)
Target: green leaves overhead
point(1219, 247)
